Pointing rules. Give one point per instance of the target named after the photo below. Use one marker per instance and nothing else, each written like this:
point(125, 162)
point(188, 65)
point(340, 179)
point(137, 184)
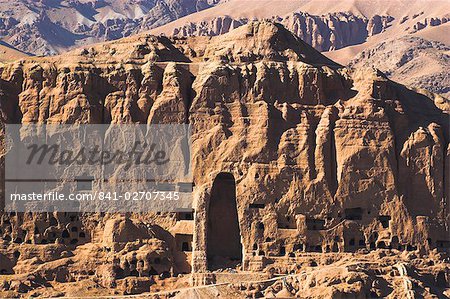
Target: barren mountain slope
point(412, 15)
point(52, 26)
point(8, 53)
point(333, 175)
point(413, 61)
point(342, 29)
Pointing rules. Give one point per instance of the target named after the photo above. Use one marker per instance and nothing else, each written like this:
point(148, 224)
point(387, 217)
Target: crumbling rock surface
point(414, 61)
point(311, 165)
point(325, 33)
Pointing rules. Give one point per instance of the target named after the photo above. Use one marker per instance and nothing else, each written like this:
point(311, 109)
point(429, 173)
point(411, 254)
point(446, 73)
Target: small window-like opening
point(410, 247)
point(298, 247)
point(36, 230)
point(16, 254)
point(185, 246)
point(65, 234)
point(256, 206)
point(282, 251)
point(353, 214)
point(381, 245)
point(261, 226)
point(261, 253)
point(384, 220)
point(185, 215)
point(184, 242)
point(255, 246)
point(372, 245)
point(74, 241)
point(268, 239)
point(82, 235)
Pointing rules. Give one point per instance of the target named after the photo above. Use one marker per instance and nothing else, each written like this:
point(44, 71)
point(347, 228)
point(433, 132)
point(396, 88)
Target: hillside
point(310, 179)
point(343, 30)
point(8, 53)
point(49, 27)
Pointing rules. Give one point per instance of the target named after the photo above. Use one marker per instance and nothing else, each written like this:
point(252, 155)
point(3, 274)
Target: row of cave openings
point(48, 232)
point(140, 268)
point(223, 229)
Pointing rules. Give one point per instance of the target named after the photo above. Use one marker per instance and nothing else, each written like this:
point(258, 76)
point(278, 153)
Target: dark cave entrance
point(224, 248)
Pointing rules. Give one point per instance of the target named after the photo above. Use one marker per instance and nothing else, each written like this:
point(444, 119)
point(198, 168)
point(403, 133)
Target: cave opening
point(224, 248)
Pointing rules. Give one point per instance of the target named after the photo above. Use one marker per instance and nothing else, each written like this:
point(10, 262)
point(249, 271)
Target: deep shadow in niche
point(224, 248)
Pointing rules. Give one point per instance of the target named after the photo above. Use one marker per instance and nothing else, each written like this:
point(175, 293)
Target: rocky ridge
point(49, 27)
point(345, 30)
point(328, 167)
point(413, 61)
point(325, 33)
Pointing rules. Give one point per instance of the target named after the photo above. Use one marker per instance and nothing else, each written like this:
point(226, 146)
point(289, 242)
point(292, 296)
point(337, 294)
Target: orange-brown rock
point(297, 163)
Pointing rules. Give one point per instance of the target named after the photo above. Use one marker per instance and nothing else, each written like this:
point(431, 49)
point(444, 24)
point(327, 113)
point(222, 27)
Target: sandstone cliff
point(316, 158)
point(325, 33)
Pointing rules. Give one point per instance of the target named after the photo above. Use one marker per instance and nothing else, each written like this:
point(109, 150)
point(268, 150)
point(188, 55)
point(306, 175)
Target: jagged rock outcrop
point(293, 156)
point(325, 33)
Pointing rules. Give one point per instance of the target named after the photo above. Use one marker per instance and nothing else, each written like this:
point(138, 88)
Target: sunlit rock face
point(291, 153)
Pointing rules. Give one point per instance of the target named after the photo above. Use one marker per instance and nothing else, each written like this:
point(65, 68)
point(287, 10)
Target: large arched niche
point(223, 244)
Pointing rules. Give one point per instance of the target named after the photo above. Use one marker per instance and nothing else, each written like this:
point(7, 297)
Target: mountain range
point(406, 39)
point(49, 27)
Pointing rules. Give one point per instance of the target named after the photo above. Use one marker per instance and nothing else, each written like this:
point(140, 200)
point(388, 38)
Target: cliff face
point(320, 158)
point(325, 33)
